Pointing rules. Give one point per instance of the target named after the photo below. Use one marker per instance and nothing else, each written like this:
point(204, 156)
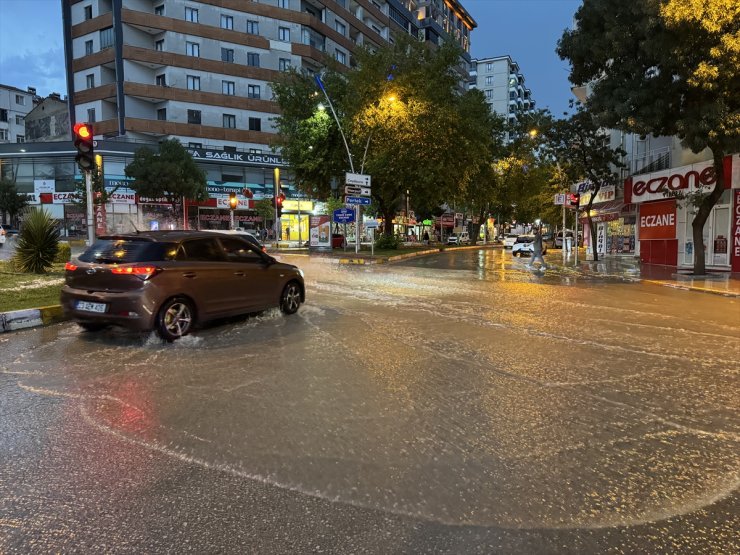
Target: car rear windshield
point(522, 239)
point(122, 251)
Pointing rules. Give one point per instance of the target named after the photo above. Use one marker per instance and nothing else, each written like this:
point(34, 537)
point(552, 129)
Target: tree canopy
point(170, 173)
point(11, 201)
point(406, 123)
point(666, 67)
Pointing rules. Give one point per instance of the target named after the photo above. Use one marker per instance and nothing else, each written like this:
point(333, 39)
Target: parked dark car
point(170, 281)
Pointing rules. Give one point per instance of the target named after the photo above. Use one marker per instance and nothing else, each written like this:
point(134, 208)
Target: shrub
point(387, 242)
point(64, 252)
point(38, 242)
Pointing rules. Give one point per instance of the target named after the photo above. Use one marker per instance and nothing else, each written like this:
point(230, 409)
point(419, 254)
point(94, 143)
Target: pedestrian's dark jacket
point(537, 243)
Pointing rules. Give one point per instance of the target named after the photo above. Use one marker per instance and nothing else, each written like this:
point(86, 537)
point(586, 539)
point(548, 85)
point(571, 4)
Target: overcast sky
point(32, 50)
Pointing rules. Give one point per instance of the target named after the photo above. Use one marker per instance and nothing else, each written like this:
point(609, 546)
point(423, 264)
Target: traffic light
point(279, 204)
point(573, 200)
point(83, 141)
point(233, 201)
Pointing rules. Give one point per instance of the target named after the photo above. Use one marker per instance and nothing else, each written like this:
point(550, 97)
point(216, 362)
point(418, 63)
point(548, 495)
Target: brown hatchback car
point(170, 280)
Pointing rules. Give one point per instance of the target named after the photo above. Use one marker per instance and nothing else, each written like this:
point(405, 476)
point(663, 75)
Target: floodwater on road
point(457, 390)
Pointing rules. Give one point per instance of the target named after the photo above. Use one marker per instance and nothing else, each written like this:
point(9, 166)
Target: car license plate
point(91, 307)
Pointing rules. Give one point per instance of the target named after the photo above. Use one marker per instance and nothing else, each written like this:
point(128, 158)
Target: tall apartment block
point(14, 105)
point(202, 71)
point(502, 84)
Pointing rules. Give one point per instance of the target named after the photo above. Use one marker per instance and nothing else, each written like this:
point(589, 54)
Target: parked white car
point(509, 240)
point(568, 233)
point(462, 238)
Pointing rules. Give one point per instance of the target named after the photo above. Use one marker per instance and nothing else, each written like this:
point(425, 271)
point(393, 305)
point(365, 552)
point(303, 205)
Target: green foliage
point(64, 252)
point(98, 188)
point(11, 201)
point(265, 207)
point(171, 173)
point(653, 68)
point(405, 122)
point(387, 242)
point(38, 242)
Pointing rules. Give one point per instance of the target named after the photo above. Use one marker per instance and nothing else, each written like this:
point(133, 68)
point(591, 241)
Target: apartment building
point(14, 105)
point(502, 83)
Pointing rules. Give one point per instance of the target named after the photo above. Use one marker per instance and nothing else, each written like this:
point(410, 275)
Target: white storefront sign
point(44, 186)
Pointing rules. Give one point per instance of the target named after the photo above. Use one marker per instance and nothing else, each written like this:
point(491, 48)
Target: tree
point(170, 173)
point(100, 194)
point(266, 209)
point(583, 153)
point(11, 201)
point(405, 124)
point(666, 67)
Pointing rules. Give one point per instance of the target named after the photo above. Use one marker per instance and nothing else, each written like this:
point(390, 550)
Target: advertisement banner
point(100, 219)
point(63, 198)
point(320, 231)
point(43, 186)
point(657, 220)
point(122, 195)
point(735, 231)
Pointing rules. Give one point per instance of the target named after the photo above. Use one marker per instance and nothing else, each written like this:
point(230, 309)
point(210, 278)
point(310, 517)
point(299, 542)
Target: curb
point(31, 318)
point(697, 289)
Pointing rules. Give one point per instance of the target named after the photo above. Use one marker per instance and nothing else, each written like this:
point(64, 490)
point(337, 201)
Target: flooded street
point(456, 403)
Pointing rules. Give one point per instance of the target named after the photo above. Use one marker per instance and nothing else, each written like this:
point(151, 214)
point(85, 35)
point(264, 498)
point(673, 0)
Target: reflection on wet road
point(459, 395)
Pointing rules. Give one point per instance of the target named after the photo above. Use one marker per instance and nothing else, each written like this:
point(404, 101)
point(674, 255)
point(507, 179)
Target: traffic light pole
point(562, 244)
point(90, 214)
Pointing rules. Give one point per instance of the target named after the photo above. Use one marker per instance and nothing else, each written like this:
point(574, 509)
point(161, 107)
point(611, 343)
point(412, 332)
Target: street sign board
point(357, 200)
point(344, 216)
point(362, 191)
point(357, 179)
point(559, 200)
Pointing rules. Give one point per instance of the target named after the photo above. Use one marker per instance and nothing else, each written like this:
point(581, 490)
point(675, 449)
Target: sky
point(32, 50)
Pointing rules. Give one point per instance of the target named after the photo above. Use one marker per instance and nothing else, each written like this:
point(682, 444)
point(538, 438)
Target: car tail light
point(69, 267)
point(141, 272)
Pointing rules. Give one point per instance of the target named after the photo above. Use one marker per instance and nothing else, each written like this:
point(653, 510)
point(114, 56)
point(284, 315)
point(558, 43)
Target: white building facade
point(14, 105)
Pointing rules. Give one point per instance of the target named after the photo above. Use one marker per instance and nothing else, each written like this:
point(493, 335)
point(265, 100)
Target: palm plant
point(38, 242)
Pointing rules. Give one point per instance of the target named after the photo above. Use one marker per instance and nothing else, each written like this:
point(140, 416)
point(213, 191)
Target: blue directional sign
point(344, 216)
point(357, 200)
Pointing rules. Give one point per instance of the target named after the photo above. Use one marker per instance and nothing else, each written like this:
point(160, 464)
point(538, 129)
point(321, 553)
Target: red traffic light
point(280, 198)
point(83, 130)
point(83, 142)
point(574, 199)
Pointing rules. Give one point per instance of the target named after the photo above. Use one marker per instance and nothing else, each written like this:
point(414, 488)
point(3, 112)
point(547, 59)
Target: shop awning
point(607, 211)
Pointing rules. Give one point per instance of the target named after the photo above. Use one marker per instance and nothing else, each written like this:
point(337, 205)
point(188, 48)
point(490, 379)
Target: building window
point(489, 80)
point(340, 27)
point(159, 10)
point(160, 80)
point(88, 12)
point(162, 114)
point(106, 38)
point(284, 4)
point(193, 83)
point(88, 47)
point(195, 145)
point(253, 91)
point(489, 66)
point(340, 56)
point(489, 94)
point(90, 80)
point(3, 134)
point(3, 114)
point(20, 138)
point(253, 59)
point(227, 55)
point(284, 34)
point(253, 27)
point(91, 115)
point(284, 64)
point(159, 45)
point(20, 100)
point(192, 49)
point(376, 29)
point(194, 116)
point(229, 121)
point(191, 14)
point(255, 124)
point(255, 151)
point(227, 22)
point(228, 87)
point(18, 120)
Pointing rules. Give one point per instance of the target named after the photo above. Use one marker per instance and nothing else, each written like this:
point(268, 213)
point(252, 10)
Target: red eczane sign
point(657, 220)
point(735, 229)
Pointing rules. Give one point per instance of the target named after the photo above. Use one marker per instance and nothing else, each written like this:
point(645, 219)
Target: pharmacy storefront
point(664, 231)
point(614, 221)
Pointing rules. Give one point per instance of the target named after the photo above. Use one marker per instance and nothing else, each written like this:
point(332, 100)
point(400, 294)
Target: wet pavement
point(457, 403)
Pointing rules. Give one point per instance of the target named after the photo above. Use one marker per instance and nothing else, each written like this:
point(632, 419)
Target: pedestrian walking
point(537, 249)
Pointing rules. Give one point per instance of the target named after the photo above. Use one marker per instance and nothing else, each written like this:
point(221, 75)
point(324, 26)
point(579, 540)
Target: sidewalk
point(631, 269)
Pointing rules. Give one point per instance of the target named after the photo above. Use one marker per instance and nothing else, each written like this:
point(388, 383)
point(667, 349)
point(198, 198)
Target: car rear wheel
point(290, 299)
point(175, 319)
